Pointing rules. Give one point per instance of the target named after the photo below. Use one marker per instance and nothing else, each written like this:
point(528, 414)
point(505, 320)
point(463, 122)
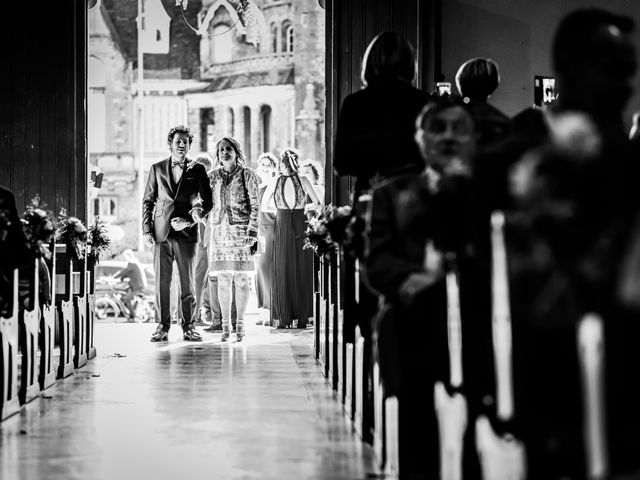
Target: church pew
point(29, 325)
point(339, 320)
point(391, 443)
point(91, 306)
point(332, 357)
point(48, 361)
point(9, 401)
point(80, 313)
point(358, 380)
point(316, 307)
point(64, 304)
point(322, 317)
point(378, 424)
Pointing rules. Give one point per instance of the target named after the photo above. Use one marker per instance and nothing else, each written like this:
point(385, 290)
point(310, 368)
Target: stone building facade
point(268, 95)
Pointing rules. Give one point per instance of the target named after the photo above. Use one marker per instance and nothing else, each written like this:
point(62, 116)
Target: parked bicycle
point(109, 302)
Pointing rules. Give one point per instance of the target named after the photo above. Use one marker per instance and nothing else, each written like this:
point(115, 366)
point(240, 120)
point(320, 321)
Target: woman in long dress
point(292, 273)
point(234, 230)
point(266, 170)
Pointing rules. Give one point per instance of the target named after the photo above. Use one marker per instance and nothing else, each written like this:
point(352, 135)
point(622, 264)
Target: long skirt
point(264, 265)
point(292, 273)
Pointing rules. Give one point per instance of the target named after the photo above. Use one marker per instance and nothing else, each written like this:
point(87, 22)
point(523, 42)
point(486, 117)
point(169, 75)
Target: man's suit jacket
point(164, 199)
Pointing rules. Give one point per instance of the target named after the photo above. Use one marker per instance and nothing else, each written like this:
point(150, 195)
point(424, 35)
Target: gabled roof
point(184, 49)
point(240, 80)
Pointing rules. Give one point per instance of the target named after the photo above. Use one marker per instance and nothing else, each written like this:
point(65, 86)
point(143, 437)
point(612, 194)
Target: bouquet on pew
point(329, 228)
point(316, 236)
point(98, 238)
point(73, 234)
point(39, 227)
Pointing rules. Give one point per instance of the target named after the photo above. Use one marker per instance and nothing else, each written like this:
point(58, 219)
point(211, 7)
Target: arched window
point(274, 37)
point(287, 36)
point(246, 113)
point(106, 207)
point(231, 119)
point(207, 128)
point(221, 44)
point(265, 127)
point(289, 39)
point(96, 105)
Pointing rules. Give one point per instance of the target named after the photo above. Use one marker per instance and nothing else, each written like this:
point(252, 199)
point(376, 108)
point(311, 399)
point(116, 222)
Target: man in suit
point(170, 212)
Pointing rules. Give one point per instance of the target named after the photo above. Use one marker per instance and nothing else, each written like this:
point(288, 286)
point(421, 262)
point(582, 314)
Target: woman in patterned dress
point(234, 230)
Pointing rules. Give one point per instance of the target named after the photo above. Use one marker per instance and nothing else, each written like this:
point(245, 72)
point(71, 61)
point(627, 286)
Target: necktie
point(176, 170)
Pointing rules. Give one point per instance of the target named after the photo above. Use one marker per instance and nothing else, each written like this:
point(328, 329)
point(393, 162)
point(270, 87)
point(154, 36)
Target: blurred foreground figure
point(570, 232)
point(420, 248)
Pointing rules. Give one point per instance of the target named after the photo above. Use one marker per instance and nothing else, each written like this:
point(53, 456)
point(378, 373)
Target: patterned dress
point(233, 220)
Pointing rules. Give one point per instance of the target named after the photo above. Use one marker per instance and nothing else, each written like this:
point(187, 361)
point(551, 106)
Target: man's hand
point(149, 241)
point(179, 223)
point(414, 284)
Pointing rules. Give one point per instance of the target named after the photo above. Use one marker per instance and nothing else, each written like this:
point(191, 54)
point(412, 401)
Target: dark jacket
point(14, 251)
point(135, 274)
point(398, 228)
point(164, 200)
point(375, 131)
point(412, 338)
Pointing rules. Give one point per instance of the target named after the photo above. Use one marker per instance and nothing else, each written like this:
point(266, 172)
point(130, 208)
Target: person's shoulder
point(398, 182)
point(354, 99)
point(199, 169)
point(5, 193)
point(159, 163)
point(249, 171)
point(251, 176)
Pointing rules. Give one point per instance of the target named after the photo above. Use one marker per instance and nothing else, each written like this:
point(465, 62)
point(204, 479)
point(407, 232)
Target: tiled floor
point(259, 409)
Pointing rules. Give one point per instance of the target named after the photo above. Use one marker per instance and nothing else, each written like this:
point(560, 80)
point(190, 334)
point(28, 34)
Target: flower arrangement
point(328, 228)
point(73, 233)
point(316, 236)
point(39, 228)
point(98, 238)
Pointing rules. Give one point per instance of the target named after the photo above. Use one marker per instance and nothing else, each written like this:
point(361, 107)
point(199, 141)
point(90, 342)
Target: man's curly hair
point(180, 129)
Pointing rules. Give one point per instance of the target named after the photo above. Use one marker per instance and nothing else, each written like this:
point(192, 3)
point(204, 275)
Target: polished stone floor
point(259, 409)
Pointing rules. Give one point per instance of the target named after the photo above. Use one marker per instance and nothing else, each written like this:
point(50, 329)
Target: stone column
point(256, 135)
point(307, 134)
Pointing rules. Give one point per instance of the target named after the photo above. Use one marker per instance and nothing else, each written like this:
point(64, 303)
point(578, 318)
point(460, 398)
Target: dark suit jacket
point(412, 339)
point(164, 200)
point(375, 130)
